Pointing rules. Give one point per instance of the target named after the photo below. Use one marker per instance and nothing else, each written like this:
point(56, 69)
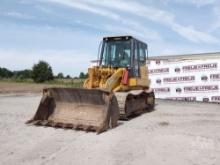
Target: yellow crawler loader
point(116, 88)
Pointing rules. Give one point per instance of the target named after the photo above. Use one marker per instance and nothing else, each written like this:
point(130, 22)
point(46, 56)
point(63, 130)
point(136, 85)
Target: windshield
point(116, 53)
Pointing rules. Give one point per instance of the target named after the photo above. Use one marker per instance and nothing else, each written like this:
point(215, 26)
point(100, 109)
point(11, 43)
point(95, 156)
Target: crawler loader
point(116, 88)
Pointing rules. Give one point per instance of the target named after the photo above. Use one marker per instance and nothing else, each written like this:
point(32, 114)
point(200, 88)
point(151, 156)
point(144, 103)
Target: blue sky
point(66, 33)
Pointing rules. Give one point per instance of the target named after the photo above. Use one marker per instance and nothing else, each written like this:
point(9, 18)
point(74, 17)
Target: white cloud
point(43, 9)
point(138, 31)
point(17, 15)
point(216, 25)
point(197, 3)
point(193, 35)
point(159, 16)
point(86, 7)
point(124, 25)
point(170, 48)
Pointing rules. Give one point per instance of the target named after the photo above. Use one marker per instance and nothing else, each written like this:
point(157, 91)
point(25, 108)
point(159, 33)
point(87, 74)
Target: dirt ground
point(175, 133)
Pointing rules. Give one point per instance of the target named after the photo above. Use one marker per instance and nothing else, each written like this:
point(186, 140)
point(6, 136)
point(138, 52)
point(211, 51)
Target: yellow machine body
point(110, 79)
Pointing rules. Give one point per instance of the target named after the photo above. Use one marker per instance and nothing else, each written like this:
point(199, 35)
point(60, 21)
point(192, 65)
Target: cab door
point(139, 57)
point(135, 60)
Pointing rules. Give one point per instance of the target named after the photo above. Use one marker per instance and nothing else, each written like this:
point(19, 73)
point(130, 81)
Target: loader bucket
point(87, 109)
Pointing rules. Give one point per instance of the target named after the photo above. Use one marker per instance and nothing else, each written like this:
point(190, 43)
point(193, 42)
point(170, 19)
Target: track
point(131, 102)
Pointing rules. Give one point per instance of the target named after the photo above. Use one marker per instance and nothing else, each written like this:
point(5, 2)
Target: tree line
point(40, 72)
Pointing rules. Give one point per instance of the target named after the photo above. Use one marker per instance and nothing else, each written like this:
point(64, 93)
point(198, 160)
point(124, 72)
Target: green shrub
point(42, 72)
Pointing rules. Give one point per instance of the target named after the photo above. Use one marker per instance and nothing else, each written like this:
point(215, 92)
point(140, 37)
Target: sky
point(67, 33)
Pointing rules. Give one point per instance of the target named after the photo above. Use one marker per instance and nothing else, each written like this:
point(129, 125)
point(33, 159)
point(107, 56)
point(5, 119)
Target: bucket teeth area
point(86, 128)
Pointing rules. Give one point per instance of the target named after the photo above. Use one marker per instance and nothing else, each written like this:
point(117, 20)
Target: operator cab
point(123, 52)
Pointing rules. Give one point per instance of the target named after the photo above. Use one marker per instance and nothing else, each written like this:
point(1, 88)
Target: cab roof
point(119, 38)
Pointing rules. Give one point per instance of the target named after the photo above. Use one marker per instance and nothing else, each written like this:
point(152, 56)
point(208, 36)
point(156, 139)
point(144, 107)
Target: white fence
point(189, 80)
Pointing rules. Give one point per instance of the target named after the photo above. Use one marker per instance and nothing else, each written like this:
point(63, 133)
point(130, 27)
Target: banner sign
point(186, 80)
point(158, 71)
point(178, 79)
point(200, 67)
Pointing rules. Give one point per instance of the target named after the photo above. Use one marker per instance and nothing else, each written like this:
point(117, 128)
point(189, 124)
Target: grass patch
point(71, 83)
